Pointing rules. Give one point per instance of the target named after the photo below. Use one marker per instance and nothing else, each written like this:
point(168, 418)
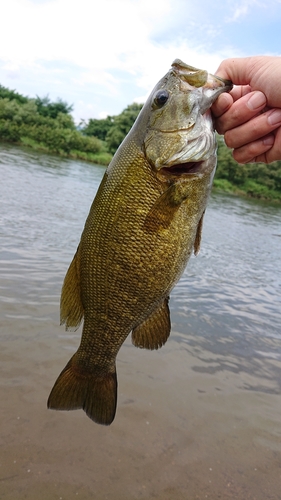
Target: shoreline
point(104, 158)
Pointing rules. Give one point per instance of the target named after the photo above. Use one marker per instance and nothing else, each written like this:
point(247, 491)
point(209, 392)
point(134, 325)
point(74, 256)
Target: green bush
point(223, 184)
point(256, 179)
point(9, 131)
point(12, 95)
point(22, 121)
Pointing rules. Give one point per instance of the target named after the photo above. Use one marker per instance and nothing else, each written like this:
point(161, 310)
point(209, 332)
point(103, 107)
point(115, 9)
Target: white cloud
point(113, 34)
point(89, 34)
point(239, 12)
point(244, 7)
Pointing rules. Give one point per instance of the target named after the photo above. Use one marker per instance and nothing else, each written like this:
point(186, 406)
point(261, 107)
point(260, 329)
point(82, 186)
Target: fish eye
point(161, 97)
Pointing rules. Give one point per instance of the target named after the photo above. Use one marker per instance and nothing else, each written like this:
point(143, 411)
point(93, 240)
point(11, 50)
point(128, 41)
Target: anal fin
point(155, 330)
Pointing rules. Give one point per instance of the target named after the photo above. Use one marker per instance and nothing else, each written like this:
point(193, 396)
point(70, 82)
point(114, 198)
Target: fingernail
point(269, 140)
point(256, 100)
point(275, 117)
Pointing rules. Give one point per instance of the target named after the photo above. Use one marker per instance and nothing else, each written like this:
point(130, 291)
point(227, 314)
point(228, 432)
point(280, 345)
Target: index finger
point(224, 101)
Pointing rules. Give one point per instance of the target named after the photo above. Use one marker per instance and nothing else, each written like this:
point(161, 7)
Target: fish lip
point(227, 83)
point(186, 168)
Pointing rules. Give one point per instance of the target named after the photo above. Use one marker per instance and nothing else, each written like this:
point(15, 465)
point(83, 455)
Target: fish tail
point(79, 389)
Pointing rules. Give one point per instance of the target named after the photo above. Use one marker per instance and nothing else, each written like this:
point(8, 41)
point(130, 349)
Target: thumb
point(236, 70)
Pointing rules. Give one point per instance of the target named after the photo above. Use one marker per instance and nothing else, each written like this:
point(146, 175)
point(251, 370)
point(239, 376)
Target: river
point(199, 418)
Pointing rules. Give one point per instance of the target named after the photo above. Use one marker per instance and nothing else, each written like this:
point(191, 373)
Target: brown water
point(201, 417)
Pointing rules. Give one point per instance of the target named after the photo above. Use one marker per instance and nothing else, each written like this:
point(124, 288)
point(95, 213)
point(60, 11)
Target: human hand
point(250, 115)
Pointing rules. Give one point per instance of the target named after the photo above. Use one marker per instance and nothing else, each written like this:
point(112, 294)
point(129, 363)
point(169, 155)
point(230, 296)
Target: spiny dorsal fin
point(71, 308)
point(155, 330)
point(198, 235)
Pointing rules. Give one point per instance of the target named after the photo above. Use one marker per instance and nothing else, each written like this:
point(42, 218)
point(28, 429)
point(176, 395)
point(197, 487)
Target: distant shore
point(249, 190)
point(98, 158)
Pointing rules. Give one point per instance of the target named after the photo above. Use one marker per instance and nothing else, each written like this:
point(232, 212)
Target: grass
point(101, 158)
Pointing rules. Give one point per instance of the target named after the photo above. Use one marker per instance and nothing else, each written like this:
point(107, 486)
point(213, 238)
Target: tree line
point(43, 124)
point(46, 125)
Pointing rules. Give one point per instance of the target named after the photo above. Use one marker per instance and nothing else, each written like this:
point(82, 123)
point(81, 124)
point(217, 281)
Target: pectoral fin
point(165, 207)
point(71, 308)
point(155, 330)
point(198, 235)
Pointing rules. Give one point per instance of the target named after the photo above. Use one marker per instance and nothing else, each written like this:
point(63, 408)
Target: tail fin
point(75, 389)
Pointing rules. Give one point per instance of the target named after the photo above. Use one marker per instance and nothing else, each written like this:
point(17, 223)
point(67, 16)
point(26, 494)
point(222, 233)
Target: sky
point(101, 55)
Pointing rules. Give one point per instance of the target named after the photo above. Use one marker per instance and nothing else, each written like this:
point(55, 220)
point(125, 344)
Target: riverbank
point(101, 158)
point(254, 180)
point(45, 126)
point(250, 189)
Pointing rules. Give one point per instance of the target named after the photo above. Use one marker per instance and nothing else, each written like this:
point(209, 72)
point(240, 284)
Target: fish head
point(179, 135)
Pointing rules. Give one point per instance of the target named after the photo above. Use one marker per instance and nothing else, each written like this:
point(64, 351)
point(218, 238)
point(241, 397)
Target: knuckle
point(236, 114)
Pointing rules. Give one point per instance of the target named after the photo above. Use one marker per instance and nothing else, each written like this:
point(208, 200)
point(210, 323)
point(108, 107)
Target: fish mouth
point(186, 168)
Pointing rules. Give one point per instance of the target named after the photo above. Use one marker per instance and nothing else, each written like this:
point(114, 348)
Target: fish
point(144, 223)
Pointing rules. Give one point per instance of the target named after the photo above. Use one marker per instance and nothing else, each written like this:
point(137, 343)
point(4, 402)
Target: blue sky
point(101, 55)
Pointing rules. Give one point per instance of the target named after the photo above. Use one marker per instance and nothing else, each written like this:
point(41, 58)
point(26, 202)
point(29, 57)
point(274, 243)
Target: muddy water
point(201, 417)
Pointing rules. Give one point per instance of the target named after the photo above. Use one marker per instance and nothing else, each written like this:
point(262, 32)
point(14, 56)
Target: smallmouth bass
point(144, 223)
